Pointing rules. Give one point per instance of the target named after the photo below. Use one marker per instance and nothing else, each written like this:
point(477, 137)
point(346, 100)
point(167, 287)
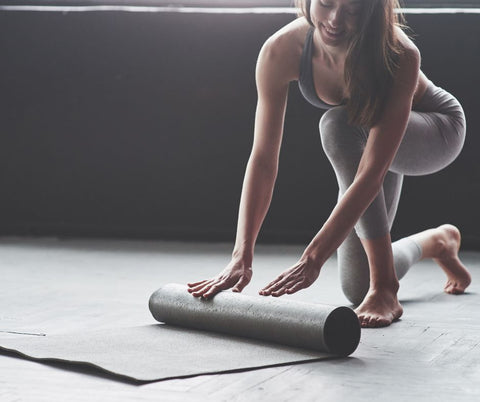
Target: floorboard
point(432, 353)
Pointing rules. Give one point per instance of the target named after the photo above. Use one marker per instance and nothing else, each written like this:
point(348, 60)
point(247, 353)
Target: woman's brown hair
point(372, 59)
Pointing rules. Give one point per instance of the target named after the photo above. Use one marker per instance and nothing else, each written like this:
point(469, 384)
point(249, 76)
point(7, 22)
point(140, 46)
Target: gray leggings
point(433, 139)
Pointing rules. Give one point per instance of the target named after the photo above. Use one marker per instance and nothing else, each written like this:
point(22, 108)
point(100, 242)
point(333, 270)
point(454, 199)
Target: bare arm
point(272, 77)
point(383, 142)
point(262, 166)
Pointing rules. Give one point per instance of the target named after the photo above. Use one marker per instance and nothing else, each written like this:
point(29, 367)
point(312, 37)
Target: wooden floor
point(52, 286)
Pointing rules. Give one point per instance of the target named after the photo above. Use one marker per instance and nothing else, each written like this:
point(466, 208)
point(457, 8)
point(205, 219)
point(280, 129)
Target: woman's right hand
point(236, 275)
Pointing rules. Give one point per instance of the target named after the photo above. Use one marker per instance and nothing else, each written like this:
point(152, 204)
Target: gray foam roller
point(319, 327)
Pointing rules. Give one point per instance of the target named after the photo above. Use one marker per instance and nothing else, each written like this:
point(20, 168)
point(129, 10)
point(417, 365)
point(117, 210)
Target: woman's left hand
point(300, 276)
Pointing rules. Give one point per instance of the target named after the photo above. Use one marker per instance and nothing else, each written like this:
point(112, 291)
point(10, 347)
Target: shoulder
point(410, 55)
point(409, 60)
point(281, 52)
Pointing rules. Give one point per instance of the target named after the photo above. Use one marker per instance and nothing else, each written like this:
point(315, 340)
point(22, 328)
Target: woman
point(385, 119)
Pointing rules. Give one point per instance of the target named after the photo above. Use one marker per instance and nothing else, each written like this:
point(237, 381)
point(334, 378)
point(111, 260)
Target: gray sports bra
point(305, 80)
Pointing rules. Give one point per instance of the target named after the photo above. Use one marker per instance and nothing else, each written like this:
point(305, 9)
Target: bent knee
point(337, 136)
point(333, 120)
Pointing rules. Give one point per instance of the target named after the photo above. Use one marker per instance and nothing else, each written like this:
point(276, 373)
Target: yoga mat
point(165, 351)
point(319, 327)
point(156, 352)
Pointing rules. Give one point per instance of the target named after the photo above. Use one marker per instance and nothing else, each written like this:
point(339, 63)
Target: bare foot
point(379, 308)
point(448, 238)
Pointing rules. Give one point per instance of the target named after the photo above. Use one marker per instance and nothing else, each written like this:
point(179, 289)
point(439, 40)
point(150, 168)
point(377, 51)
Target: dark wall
point(140, 125)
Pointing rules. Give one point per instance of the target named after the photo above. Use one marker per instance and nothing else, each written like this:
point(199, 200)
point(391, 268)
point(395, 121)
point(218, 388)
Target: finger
point(244, 280)
point(295, 288)
point(202, 289)
point(215, 288)
point(265, 291)
point(275, 281)
point(193, 284)
point(282, 279)
point(282, 290)
point(201, 286)
point(278, 285)
point(273, 285)
point(196, 288)
point(270, 290)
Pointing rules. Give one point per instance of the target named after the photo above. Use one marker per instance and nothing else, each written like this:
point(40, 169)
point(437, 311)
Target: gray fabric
point(434, 137)
point(157, 352)
point(353, 264)
point(313, 326)
point(306, 82)
point(406, 252)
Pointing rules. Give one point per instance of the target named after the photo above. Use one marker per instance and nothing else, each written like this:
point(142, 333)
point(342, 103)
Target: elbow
point(265, 163)
point(264, 158)
point(371, 182)
point(372, 175)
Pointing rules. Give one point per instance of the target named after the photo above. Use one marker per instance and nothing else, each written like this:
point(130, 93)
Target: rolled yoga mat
point(318, 327)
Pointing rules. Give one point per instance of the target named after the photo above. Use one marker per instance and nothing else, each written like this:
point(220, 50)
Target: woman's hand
point(236, 275)
point(300, 276)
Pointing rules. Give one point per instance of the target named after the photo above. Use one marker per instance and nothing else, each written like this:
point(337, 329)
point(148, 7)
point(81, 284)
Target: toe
point(453, 288)
point(367, 322)
point(383, 322)
point(373, 322)
point(448, 287)
point(456, 290)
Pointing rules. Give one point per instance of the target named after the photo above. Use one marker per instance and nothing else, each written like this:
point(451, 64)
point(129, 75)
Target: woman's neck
point(333, 55)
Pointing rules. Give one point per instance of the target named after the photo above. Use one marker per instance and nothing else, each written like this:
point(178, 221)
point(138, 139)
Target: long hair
point(372, 59)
